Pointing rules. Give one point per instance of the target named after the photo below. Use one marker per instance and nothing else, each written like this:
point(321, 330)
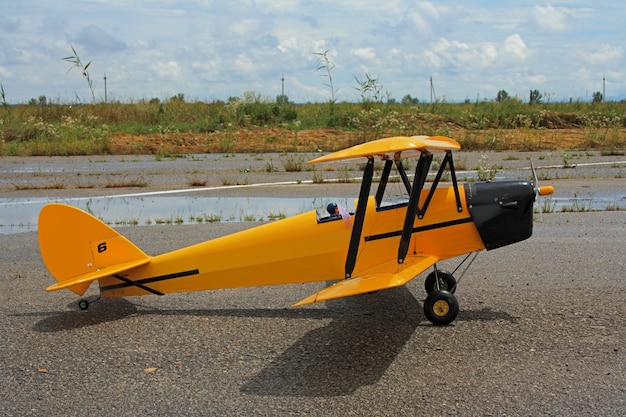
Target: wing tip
point(306, 301)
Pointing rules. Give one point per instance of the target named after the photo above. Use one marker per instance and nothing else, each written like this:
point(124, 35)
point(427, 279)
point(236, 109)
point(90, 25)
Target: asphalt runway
point(541, 331)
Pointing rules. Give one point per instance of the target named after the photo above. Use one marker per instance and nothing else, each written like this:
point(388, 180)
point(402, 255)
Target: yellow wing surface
point(388, 274)
point(393, 148)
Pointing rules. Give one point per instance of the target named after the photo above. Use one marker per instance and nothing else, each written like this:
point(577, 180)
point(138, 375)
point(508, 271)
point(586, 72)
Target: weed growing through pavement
point(486, 171)
point(578, 206)
point(127, 183)
point(57, 185)
point(293, 163)
point(196, 182)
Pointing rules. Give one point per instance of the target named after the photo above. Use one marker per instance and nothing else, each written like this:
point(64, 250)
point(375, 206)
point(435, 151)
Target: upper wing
point(385, 275)
point(393, 148)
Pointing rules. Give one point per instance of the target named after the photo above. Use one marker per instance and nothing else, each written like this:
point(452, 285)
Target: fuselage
point(305, 248)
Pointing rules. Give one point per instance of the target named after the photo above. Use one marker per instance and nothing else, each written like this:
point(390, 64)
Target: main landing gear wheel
point(441, 308)
point(83, 304)
point(447, 282)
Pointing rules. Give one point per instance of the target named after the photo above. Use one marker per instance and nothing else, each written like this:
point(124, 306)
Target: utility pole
point(603, 87)
point(432, 91)
point(105, 87)
point(282, 80)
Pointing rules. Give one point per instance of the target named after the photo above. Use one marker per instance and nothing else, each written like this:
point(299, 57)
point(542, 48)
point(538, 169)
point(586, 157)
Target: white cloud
point(244, 65)
point(443, 46)
point(428, 9)
point(489, 53)
point(550, 19)
point(97, 40)
point(423, 14)
point(537, 79)
point(364, 53)
point(169, 69)
point(420, 23)
point(461, 55)
point(288, 44)
point(515, 46)
point(245, 27)
point(278, 6)
point(605, 54)
point(206, 69)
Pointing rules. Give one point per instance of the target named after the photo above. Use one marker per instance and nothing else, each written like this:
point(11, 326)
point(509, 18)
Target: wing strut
point(382, 184)
point(421, 172)
point(447, 160)
point(454, 182)
point(405, 178)
point(359, 217)
point(384, 179)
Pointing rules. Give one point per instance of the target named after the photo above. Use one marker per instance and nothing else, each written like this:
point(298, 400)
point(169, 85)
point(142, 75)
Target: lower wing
point(385, 275)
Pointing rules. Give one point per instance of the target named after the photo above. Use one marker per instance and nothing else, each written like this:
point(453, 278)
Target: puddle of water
point(585, 203)
point(21, 215)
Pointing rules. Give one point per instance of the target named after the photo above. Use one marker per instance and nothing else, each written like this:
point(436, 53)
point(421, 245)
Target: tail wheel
point(441, 308)
point(83, 304)
point(447, 282)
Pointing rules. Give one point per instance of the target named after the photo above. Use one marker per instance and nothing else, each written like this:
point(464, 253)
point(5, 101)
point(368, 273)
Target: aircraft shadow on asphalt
point(353, 350)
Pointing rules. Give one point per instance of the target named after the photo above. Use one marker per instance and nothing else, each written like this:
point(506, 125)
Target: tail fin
point(77, 248)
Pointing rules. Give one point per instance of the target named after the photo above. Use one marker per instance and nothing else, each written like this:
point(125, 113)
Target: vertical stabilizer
point(77, 248)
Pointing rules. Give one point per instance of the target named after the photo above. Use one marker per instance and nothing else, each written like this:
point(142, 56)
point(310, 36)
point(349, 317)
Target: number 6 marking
point(102, 247)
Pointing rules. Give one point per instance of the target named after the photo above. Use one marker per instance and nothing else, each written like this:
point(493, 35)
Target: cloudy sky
point(213, 49)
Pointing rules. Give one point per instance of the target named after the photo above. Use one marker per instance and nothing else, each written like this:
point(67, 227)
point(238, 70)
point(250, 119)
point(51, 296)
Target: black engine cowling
point(501, 210)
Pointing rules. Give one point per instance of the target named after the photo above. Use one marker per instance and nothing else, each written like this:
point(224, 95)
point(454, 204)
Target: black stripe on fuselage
point(419, 229)
point(141, 283)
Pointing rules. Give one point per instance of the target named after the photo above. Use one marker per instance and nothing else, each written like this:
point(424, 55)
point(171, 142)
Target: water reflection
point(21, 215)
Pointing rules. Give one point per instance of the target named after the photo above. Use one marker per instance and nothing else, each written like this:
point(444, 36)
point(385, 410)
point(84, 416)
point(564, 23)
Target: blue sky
point(210, 50)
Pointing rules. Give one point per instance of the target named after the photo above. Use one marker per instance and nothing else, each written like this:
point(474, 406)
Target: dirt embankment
point(277, 139)
point(259, 140)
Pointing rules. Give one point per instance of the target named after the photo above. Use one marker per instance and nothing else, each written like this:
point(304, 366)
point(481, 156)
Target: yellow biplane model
point(384, 243)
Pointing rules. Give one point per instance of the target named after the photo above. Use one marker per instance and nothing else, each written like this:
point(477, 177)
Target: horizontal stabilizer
point(100, 273)
point(386, 275)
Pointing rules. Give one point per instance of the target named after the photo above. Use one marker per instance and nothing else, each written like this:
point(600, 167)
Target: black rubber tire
point(447, 282)
point(441, 308)
point(83, 304)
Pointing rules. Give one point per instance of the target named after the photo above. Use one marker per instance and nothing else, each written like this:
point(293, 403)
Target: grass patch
point(615, 207)
point(49, 186)
point(578, 206)
point(276, 215)
point(293, 163)
point(126, 183)
point(195, 182)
